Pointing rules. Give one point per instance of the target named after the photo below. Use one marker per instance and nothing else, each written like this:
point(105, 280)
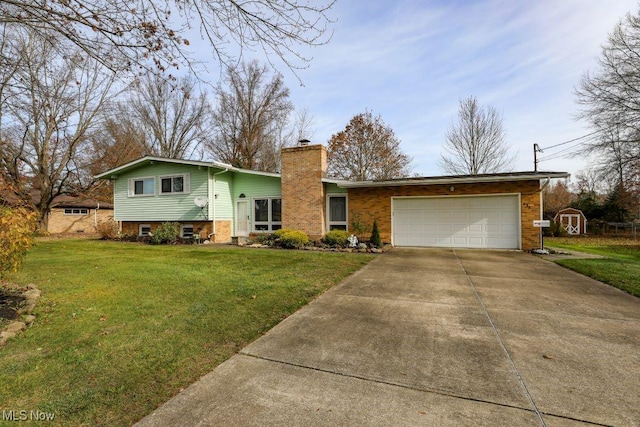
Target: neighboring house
point(220, 201)
point(77, 215)
point(572, 220)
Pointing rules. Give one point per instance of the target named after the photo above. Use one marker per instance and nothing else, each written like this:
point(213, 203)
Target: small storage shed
point(572, 220)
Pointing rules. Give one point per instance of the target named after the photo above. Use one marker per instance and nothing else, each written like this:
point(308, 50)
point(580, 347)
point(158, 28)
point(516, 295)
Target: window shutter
point(131, 184)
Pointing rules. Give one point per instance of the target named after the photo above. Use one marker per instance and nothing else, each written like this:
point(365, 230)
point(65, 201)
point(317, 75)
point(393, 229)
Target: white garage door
point(458, 222)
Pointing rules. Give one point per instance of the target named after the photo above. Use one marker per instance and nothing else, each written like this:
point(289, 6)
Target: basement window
point(144, 230)
point(186, 231)
point(76, 211)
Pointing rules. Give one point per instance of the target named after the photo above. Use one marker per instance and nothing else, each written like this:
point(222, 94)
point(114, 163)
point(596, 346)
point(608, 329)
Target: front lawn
point(619, 268)
point(121, 327)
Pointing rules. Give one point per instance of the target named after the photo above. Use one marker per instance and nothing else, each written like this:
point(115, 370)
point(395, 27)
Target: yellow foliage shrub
point(17, 226)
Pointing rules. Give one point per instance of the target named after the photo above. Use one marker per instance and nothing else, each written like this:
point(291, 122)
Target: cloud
point(411, 61)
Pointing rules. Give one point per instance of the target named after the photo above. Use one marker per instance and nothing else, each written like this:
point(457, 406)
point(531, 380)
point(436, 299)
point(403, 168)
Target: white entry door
point(458, 222)
point(242, 218)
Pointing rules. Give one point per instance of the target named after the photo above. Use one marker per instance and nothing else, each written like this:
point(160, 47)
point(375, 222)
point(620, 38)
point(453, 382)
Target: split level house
point(219, 202)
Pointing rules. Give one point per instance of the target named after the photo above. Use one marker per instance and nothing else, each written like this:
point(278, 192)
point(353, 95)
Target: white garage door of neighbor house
point(457, 222)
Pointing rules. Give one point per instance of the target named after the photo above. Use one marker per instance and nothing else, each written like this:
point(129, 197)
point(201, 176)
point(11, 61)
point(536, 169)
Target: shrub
point(336, 238)
point(108, 230)
point(263, 238)
point(278, 233)
point(357, 226)
point(167, 232)
point(17, 227)
point(292, 239)
point(375, 239)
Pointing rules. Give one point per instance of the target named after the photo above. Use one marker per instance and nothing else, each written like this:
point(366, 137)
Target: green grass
point(619, 268)
point(122, 327)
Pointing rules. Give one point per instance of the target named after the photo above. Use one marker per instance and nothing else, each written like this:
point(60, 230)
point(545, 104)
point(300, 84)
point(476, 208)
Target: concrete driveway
point(436, 337)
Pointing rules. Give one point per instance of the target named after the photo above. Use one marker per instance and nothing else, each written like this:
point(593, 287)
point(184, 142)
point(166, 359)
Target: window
point(142, 187)
point(76, 211)
point(174, 184)
point(267, 214)
point(337, 212)
point(144, 230)
point(186, 231)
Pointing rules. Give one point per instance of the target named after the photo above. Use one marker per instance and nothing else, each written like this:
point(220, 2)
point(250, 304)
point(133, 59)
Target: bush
point(263, 238)
point(167, 232)
point(336, 238)
point(108, 230)
point(292, 239)
point(278, 233)
point(17, 227)
point(375, 239)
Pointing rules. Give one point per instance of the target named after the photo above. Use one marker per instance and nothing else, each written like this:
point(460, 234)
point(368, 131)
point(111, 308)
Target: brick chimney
point(303, 196)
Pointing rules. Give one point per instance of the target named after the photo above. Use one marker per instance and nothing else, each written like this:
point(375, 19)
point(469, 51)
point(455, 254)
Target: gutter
point(452, 180)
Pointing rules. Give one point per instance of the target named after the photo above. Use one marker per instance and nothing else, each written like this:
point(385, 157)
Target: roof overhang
point(462, 179)
point(149, 160)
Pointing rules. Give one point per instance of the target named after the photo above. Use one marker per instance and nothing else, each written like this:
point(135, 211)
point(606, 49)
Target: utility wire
point(571, 140)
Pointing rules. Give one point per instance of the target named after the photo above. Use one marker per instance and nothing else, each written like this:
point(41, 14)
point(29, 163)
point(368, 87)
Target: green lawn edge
point(122, 327)
point(620, 266)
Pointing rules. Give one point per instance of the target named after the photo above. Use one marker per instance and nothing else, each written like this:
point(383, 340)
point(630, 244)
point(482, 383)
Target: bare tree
point(610, 99)
point(54, 108)
point(251, 118)
point(138, 31)
point(174, 119)
point(304, 126)
point(367, 149)
point(475, 143)
point(589, 181)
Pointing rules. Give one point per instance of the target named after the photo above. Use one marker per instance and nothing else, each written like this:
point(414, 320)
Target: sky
point(412, 61)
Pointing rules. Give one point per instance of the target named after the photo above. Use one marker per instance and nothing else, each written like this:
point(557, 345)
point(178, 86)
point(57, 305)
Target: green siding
point(331, 188)
point(178, 207)
point(222, 186)
point(255, 185)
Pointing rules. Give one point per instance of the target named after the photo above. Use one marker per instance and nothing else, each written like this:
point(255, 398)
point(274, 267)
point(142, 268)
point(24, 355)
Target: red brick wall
point(375, 203)
point(303, 198)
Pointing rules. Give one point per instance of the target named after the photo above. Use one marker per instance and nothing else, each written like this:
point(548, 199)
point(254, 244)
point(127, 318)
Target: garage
point(487, 221)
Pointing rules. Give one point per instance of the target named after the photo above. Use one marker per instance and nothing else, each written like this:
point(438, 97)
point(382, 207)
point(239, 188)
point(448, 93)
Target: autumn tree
point(475, 142)
point(151, 33)
point(556, 196)
point(251, 118)
point(55, 101)
point(367, 149)
point(118, 140)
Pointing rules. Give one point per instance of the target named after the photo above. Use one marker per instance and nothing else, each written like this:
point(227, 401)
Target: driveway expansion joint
point(392, 383)
point(502, 345)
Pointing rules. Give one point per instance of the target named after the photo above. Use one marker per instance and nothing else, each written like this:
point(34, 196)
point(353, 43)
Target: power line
point(571, 140)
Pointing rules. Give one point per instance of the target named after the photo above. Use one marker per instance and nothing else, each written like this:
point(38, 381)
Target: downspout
point(213, 212)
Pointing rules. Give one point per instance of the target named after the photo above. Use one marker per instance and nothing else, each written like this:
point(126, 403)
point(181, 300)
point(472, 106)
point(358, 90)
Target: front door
point(242, 218)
